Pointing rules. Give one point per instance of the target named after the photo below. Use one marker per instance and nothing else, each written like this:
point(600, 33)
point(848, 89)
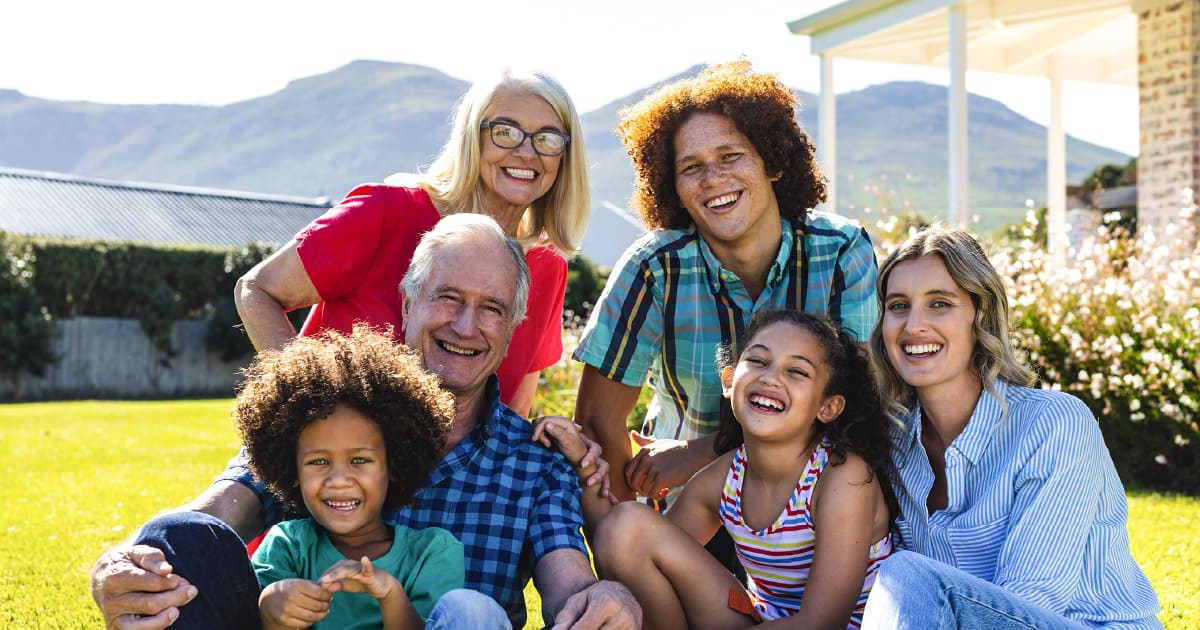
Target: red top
point(357, 252)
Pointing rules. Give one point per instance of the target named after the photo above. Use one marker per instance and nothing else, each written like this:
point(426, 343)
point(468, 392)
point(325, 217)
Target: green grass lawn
point(79, 477)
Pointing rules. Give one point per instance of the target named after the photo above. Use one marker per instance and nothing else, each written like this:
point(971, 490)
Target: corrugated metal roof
point(52, 204)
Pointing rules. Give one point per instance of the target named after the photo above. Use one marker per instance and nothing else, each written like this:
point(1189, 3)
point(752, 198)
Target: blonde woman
point(1011, 512)
point(516, 154)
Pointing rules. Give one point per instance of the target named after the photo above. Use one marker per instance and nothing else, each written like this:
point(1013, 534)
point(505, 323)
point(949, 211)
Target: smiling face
point(461, 317)
point(342, 469)
point(928, 327)
point(777, 388)
point(722, 182)
point(512, 179)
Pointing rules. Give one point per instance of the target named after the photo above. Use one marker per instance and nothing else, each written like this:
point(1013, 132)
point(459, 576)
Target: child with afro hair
point(348, 428)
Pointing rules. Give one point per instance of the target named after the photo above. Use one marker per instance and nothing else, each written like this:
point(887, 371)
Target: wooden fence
point(102, 357)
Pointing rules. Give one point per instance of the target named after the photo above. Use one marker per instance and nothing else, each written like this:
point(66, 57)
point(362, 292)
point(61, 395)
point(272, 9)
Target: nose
point(915, 321)
point(339, 476)
point(464, 324)
point(711, 173)
point(525, 147)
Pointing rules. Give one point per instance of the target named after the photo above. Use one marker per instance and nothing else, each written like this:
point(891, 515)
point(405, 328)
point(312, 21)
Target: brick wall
point(1169, 90)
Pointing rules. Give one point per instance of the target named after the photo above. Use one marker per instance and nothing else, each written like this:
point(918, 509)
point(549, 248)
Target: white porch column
point(957, 131)
point(827, 139)
point(1056, 176)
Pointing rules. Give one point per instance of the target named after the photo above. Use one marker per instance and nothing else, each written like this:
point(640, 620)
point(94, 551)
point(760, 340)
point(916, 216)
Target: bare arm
point(695, 511)
point(573, 598)
point(602, 408)
point(264, 295)
point(523, 398)
point(135, 587)
point(846, 518)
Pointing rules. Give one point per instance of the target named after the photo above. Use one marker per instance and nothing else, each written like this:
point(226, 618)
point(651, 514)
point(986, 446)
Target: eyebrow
point(323, 450)
point(943, 292)
point(679, 159)
point(506, 119)
point(487, 299)
point(800, 357)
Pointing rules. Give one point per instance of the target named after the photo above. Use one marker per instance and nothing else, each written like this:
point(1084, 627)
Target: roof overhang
point(1081, 40)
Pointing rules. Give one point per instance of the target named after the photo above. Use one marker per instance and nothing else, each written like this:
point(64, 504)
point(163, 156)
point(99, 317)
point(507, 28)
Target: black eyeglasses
point(509, 136)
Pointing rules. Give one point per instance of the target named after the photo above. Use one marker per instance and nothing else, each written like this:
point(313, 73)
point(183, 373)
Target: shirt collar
point(975, 436)
point(778, 267)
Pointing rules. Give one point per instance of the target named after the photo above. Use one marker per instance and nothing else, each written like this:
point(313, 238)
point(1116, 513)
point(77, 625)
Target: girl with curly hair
point(802, 491)
point(347, 428)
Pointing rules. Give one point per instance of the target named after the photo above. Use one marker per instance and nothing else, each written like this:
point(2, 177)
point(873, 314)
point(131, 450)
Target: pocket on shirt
point(904, 536)
point(976, 548)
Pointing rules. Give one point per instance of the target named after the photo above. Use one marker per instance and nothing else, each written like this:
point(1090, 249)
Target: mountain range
point(321, 135)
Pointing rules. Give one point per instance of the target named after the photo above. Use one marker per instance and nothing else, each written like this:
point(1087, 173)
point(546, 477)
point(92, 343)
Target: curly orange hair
point(762, 108)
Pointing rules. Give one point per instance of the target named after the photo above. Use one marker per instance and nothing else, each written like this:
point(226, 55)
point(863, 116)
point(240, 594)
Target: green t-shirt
point(427, 563)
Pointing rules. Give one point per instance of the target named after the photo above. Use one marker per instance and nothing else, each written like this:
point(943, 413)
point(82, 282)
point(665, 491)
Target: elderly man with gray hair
point(513, 504)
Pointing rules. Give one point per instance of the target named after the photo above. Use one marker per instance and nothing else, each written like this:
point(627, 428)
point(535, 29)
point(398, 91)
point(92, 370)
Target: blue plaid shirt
point(669, 304)
point(508, 500)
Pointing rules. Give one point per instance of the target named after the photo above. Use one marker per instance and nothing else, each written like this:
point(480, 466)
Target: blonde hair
point(993, 356)
point(561, 215)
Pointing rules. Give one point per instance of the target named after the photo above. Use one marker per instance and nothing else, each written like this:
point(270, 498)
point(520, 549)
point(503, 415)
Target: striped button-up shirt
point(1034, 506)
point(669, 304)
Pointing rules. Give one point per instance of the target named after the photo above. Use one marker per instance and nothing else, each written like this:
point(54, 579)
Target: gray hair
point(482, 232)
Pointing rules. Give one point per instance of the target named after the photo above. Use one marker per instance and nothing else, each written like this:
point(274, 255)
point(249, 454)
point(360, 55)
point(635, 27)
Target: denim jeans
point(914, 591)
point(213, 558)
point(465, 608)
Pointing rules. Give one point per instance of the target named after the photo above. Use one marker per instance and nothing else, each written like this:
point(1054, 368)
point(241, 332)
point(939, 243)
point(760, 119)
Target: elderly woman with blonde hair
point(516, 154)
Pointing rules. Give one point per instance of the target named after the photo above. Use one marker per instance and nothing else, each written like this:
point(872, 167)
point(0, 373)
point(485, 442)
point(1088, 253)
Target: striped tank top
point(778, 558)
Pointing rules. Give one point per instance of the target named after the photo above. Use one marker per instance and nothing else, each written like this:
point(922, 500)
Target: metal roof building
point(36, 203)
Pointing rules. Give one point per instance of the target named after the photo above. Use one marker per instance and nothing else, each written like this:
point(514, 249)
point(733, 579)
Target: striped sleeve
point(1058, 494)
point(624, 333)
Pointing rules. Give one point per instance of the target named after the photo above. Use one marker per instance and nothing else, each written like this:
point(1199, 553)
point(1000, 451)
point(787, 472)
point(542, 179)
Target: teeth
point(925, 348)
point(722, 200)
point(763, 401)
point(520, 173)
point(466, 352)
point(342, 505)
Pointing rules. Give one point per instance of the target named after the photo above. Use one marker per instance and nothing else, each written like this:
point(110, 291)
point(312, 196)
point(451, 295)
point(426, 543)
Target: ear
point(831, 408)
point(777, 176)
point(727, 381)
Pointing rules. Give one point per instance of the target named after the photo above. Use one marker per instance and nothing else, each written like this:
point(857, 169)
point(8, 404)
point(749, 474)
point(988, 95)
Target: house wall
point(104, 357)
point(1169, 92)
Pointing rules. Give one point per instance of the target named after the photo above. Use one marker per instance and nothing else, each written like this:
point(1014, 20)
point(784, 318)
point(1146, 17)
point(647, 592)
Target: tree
point(27, 330)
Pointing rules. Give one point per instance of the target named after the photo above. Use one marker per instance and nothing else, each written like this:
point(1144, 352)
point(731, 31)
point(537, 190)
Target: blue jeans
point(915, 591)
point(465, 608)
point(213, 558)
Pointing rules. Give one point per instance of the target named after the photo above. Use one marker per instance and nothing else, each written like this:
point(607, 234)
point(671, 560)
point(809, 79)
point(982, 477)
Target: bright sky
point(222, 51)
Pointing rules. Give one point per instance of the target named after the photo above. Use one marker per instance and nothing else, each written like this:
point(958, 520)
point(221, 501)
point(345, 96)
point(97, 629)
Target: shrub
point(1118, 329)
point(27, 329)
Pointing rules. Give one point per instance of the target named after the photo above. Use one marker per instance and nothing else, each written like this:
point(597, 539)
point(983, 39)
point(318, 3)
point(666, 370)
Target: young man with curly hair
point(726, 181)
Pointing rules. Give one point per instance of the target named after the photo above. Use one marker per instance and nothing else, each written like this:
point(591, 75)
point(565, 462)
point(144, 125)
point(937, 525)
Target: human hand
point(135, 589)
point(293, 603)
point(563, 433)
point(659, 465)
point(605, 604)
point(578, 448)
point(355, 576)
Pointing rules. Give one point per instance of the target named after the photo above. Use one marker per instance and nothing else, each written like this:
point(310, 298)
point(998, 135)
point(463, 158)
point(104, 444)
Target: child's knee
point(616, 537)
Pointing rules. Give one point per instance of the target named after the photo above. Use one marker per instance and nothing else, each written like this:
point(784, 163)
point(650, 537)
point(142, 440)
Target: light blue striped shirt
point(1035, 506)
